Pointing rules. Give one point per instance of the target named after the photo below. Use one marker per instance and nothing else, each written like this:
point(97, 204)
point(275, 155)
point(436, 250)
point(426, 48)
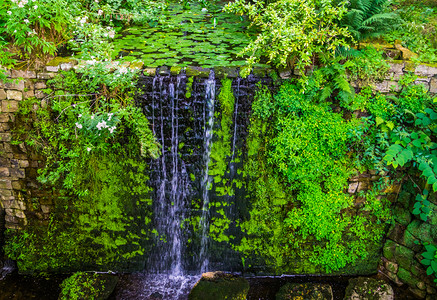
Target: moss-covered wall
point(24, 203)
point(405, 243)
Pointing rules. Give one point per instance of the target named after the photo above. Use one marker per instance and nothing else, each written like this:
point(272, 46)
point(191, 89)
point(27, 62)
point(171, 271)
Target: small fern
point(368, 19)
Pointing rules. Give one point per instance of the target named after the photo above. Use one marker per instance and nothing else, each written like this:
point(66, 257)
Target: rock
point(197, 72)
point(305, 291)
point(406, 54)
point(82, 285)
point(218, 286)
point(363, 288)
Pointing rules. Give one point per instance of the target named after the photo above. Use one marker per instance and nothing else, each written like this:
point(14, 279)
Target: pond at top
point(190, 37)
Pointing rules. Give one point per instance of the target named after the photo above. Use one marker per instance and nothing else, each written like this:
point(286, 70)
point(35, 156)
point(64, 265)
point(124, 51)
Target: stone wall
point(18, 166)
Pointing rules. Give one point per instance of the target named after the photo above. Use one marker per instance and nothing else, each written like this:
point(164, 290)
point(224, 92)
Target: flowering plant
point(91, 40)
point(36, 27)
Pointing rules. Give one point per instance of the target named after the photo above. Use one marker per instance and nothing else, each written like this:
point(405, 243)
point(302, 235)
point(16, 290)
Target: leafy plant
point(36, 27)
point(293, 32)
point(421, 207)
point(430, 260)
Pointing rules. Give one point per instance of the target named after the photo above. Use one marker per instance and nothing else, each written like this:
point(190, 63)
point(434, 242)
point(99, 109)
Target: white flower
point(97, 1)
point(110, 116)
point(204, 9)
point(78, 125)
point(100, 12)
point(9, 12)
point(35, 7)
point(92, 117)
point(111, 34)
point(88, 149)
point(123, 70)
point(79, 116)
point(101, 125)
point(111, 129)
point(26, 21)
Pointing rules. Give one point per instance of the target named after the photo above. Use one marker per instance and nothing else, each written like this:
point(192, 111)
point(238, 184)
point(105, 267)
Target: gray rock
point(363, 288)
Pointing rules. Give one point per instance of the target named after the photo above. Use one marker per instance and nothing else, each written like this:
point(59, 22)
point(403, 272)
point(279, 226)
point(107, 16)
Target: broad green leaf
point(417, 143)
point(426, 262)
point(379, 121)
point(390, 125)
point(431, 180)
point(429, 271)
point(434, 265)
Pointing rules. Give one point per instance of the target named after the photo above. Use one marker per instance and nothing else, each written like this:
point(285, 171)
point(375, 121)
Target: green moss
point(220, 159)
point(61, 60)
point(175, 70)
point(189, 87)
point(105, 238)
point(90, 286)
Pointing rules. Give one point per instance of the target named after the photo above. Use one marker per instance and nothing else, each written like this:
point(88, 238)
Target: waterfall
point(206, 181)
point(170, 178)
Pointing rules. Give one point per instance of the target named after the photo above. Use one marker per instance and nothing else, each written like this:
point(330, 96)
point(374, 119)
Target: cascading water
point(183, 187)
point(206, 181)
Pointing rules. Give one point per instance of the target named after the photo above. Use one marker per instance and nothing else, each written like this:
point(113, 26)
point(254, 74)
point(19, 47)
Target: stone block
point(407, 277)
point(66, 66)
point(14, 95)
point(418, 293)
point(46, 76)
point(404, 257)
point(396, 233)
point(149, 71)
point(402, 215)
point(40, 94)
point(23, 163)
point(5, 137)
point(4, 172)
point(13, 85)
point(397, 68)
point(18, 185)
point(422, 70)
point(45, 209)
point(40, 85)
point(433, 85)
point(18, 173)
point(52, 68)
point(352, 187)
point(23, 74)
point(389, 249)
point(4, 118)
point(2, 94)
point(382, 86)
point(9, 106)
point(391, 266)
point(422, 231)
point(10, 219)
point(19, 214)
point(393, 86)
point(29, 94)
point(363, 186)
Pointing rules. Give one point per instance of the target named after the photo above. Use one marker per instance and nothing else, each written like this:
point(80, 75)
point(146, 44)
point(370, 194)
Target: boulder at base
point(219, 286)
point(84, 286)
point(305, 291)
point(364, 288)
